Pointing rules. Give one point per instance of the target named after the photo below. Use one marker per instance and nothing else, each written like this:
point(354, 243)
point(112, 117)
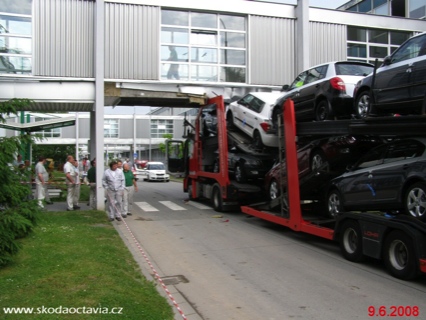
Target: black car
point(324, 92)
point(399, 84)
point(244, 166)
point(389, 177)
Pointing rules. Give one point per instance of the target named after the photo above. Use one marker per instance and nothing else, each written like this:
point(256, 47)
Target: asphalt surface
point(233, 266)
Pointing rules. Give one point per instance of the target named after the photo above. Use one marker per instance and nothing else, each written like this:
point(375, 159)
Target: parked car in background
point(389, 177)
point(156, 171)
point(244, 166)
point(399, 83)
point(252, 115)
point(330, 155)
point(324, 92)
point(138, 168)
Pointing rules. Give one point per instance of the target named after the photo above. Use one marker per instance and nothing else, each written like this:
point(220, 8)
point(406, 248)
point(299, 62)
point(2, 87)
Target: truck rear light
point(265, 126)
point(338, 84)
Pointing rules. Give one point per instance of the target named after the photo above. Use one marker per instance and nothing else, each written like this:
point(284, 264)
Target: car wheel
point(362, 104)
point(399, 255)
point(415, 201)
point(351, 241)
point(257, 140)
point(274, 190)
point(318, 161)
point(239, 173)
point(334, 204)
point(322, 111)
point(230, 120)
point(217, 200)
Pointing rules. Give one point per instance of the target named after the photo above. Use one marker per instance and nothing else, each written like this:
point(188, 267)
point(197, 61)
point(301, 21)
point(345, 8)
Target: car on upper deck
point(324, 92)
point(252, 115)
point(399, 84)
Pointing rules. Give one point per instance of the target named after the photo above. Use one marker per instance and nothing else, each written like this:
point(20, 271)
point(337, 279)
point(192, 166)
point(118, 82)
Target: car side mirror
point(387, 61)
point(285, 87)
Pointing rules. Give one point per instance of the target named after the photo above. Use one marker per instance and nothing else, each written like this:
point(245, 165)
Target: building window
point(417, 9)
point(160, 127)
point(111, 128)
point(203, 47)
point(368, 44)
point(15, 37)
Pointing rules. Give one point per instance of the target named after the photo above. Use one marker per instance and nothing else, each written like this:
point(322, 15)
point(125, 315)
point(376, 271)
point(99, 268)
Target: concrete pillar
point(99, 101)
point(302, 36)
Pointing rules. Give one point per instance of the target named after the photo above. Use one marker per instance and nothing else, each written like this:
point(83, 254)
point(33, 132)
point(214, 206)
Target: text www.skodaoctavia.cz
point(63, 310)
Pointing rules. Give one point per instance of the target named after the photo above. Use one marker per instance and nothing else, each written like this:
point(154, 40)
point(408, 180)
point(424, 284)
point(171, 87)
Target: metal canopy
point(40, 125)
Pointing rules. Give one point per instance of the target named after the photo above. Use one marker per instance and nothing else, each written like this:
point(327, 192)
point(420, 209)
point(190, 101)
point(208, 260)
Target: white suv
point(252, 114)
point(156, 171)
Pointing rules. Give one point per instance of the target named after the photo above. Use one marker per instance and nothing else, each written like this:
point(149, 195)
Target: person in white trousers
point(129, 190)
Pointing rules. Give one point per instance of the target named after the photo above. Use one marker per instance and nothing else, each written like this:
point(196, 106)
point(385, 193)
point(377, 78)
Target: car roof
point(155, 162)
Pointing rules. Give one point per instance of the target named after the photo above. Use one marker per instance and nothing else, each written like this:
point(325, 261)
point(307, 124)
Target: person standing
point(91, 177)
point(71, 181)
point(130, 188)
point(18, 160)
point(77, 185)
point(41, 179)
point(113, 182)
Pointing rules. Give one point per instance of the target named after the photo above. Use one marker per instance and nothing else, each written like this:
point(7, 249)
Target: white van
point(156, 171)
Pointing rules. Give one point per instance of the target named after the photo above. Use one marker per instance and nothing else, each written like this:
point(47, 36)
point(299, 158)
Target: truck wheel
point(415, 201)
point(399, 255)
point(190, 191)
point(217, 200)
point(334, 204)
point(239, 173)
point(362, 104)
point(351, 241)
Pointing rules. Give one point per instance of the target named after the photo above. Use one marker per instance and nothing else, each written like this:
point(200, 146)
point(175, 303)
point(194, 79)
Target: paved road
point(233, 266)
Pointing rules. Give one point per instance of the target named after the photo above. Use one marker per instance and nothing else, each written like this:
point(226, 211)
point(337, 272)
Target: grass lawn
point(75, 261)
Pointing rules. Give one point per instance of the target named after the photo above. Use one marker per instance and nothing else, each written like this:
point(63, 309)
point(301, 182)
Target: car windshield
point(351, 69)
point(156, 167)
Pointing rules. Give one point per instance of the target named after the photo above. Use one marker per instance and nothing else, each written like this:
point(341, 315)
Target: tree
point(18, 212)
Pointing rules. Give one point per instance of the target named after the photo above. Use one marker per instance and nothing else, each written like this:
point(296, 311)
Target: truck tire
point(351, 241)
point(399, 256)
point(190, 191)
point(216, 199)
point(415, 198)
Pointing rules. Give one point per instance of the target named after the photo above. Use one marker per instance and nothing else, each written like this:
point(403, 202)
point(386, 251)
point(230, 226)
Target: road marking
point(198, 205)
point(145, 206)
point(172, 206)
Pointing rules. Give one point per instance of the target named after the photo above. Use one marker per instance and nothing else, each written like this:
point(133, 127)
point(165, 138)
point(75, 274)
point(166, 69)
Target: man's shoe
point(68, 209)
point(118, 219)
point(124, 216)
point(111, 219)
point(129, 213)
point(49, 202)
point(76, 207)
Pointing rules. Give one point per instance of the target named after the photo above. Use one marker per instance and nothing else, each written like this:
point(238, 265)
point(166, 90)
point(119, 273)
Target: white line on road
point(172, 206)
point(145, 206)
